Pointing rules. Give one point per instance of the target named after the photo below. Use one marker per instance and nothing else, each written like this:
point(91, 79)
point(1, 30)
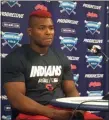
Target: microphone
point(106, 97)
point(96, 49)
point(79, 115)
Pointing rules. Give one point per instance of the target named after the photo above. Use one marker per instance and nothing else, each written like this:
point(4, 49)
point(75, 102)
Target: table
point(83, 103)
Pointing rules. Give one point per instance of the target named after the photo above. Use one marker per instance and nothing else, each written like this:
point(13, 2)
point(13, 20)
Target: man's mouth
point(48, 39)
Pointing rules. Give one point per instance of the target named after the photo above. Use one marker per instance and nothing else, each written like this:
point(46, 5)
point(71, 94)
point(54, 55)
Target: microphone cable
point(78, 115)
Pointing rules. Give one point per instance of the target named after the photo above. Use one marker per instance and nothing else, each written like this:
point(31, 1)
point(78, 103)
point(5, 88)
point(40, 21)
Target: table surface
point(85, 103)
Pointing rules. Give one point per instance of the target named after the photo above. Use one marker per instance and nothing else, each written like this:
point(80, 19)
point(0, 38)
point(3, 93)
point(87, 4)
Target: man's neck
point(38, 49)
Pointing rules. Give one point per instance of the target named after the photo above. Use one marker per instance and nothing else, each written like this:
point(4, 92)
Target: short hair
point(39, 14)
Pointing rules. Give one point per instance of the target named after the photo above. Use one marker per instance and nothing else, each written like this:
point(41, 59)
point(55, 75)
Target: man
point(35, 74)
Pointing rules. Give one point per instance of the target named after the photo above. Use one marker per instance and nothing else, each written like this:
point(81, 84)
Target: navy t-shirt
point(42, 74)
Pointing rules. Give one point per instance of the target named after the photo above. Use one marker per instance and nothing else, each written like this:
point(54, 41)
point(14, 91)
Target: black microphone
point(106, 97)
point(96, 49)
point(78, 115)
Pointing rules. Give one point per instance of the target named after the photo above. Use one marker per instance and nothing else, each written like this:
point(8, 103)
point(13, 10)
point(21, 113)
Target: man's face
point(41, 31)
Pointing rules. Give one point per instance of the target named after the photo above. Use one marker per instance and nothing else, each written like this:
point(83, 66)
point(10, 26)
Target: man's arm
point(70, 89)
point(13, 69)
point(16, 94)
point(68, 84)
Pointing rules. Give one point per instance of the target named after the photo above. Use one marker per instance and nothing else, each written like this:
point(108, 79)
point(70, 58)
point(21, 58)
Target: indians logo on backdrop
point(95, 84)
point(73, 67)
point(94, 61)
point(68, 43)
point(68, 7)
point(11, 3)
point(12, 39)
point(92, 27)
point(92, 15)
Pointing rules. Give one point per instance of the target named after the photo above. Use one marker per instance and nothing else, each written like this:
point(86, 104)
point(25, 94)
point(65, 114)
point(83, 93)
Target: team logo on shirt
point(11, 3)
point(49, 87)
point(12, 39)
point(94, 61)
point(92, 27)
point(45, 71)
point(68, 42)
point(68, 7)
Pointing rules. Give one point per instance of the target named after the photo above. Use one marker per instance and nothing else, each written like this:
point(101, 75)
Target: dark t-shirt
point(42, 74)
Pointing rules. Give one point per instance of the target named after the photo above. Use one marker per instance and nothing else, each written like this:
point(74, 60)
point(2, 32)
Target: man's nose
point(48, 31)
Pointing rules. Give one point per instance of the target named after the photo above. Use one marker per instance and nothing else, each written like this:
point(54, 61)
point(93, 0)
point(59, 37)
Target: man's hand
point(62, 115)
point(78, 115)
point(81, 111)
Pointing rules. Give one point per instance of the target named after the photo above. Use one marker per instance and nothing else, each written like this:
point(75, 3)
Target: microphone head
point(96, 49)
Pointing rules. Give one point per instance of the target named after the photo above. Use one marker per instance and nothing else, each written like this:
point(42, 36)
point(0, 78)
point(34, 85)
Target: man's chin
point(45, 45)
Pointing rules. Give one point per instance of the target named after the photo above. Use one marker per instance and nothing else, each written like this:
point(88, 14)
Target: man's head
point(41, 28)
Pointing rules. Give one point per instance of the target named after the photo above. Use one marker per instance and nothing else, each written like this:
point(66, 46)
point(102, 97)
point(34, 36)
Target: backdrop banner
point(78, 25)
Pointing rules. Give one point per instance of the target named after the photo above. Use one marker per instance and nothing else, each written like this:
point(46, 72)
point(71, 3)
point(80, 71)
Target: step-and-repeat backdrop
point(78, 25)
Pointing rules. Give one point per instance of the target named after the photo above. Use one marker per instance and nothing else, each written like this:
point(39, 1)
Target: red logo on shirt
point(49, 87)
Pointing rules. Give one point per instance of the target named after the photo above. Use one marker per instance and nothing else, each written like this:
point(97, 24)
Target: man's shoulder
point(60, 54)
point(17, 52)
point(57, 51)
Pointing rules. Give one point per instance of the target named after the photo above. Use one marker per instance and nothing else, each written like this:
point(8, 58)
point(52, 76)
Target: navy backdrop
point(77, 25)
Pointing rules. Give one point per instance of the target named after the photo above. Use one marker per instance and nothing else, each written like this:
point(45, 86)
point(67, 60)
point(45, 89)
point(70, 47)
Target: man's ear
point(29, 31)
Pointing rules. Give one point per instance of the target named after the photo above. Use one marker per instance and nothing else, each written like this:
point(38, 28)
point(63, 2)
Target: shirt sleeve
point(67, 72)
point(12, 69)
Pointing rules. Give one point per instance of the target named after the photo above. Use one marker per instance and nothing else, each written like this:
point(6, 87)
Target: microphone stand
point(107, 58)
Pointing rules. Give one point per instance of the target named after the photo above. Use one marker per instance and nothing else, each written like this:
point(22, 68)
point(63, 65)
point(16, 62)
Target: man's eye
point(41, 28)
point(52, 28)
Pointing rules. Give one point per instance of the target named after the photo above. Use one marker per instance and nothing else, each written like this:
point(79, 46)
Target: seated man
point(36, 73)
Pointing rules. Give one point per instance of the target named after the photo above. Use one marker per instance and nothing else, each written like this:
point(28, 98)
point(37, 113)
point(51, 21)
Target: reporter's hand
point(62, 115)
